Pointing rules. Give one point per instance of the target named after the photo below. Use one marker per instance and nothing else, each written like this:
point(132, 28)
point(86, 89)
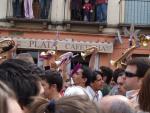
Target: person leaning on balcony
point(28, 10)
point(101, 10)
point(76, 7)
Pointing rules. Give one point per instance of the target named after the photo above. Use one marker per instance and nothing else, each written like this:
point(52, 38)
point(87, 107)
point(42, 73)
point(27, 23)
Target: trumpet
point(47, 55)
point(119, 61)
point(65, 57)
point(88, 52)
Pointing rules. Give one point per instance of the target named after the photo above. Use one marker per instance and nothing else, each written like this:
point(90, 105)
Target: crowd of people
point(81, 10)
point(26, 88)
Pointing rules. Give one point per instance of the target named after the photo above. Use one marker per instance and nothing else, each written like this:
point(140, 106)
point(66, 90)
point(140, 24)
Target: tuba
point(64, 57)
point(48, 54)
point(88, 52)
point(6, 44)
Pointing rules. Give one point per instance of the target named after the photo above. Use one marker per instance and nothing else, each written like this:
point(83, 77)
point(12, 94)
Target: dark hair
point(118, 72)
point(95, 73)
point(37, 71)
point(142, 65)
point(68, 104)
point(87, 73)
point(18, 76)
point(53, 77)
point(106, 71)
point(144, 99)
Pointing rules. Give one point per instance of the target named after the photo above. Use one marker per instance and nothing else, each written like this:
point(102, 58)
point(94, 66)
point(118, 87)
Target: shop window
point(89, 10)
point(30, 9)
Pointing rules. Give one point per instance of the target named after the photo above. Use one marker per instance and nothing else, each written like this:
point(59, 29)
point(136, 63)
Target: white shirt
point(75, 90)
point(132, 95)
point(95, 97)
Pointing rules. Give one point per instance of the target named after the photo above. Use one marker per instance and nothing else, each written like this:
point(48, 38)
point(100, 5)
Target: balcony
point(135, 12)
point(50, 13)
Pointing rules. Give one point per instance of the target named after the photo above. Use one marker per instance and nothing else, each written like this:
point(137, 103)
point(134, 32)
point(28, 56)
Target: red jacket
point(87, 7)
point(101, 1)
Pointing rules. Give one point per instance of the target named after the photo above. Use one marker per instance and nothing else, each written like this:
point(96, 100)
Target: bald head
point(116, 104)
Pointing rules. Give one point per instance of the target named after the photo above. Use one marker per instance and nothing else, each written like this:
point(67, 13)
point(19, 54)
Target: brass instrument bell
point(88, 52)
point(47, 54)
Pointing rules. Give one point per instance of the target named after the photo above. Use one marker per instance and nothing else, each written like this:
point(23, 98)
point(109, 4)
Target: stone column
point(113, 12)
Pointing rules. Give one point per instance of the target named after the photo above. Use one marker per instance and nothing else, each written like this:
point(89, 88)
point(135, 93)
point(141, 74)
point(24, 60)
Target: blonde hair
point(69, 104)
point(5, 94)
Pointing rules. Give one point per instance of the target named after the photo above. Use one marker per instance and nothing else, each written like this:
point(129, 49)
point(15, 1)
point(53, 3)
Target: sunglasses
point(129, 74)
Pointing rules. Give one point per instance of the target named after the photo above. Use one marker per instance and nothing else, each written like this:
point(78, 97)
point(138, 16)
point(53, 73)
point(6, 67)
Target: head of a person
point(69, 104)
point(52, 83)
point(27, 57)
point(18, 75)
point(107, 74)
point(144, 93)
point(8, 101)
point(81, 75)
point(121, 84)
point(119, 79)
point(96, 80)
point(116, 104)
point(117, 72)
point(135, 71)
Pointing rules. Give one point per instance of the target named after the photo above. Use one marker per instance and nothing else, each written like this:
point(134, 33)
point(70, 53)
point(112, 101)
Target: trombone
point(123, 57)
point(143, 41)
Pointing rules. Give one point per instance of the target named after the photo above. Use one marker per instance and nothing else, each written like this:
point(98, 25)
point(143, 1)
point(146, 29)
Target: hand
point(91, 11)
point(63, 66)
point(95, 50)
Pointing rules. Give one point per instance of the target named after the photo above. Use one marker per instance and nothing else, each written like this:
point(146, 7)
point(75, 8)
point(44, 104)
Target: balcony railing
point(135, 12)
point(40, 10)
point(36, 9)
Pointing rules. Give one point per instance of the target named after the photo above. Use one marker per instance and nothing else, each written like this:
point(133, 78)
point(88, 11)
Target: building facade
point(38, 24)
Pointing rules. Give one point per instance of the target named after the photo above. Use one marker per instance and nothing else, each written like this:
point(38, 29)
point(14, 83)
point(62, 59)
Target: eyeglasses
point(129, 74)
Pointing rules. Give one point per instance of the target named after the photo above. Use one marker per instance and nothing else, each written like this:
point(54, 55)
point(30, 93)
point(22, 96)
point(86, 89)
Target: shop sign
point(63, 45)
